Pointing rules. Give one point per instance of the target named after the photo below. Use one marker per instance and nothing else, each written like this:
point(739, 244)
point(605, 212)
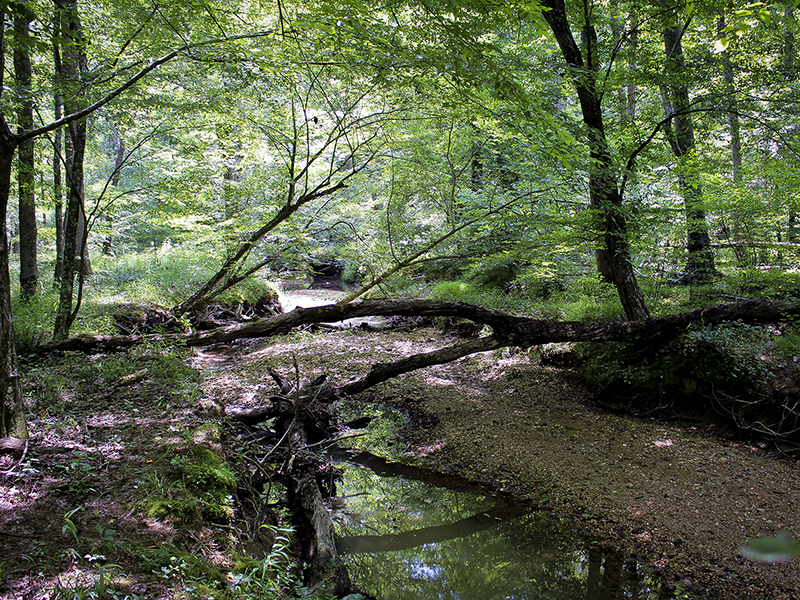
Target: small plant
point(105, 538)
point(69, 527)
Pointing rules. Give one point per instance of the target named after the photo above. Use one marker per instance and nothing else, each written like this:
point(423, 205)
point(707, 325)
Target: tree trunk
point(12, 408)
point(73, 65)
point(605, 196)
point(680, 131)
point(509, 330)
point(58, 188)
point(28, 269)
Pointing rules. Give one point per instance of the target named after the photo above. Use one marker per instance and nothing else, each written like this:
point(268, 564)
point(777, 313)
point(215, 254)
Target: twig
point(19, 462)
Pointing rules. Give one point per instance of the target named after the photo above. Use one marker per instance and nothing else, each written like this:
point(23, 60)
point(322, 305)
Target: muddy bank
point(679, 495)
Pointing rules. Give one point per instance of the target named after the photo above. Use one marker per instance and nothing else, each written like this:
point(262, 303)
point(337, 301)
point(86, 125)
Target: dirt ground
point(681, 497)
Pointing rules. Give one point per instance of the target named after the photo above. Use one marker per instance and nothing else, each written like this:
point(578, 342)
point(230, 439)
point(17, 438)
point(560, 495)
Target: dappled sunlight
point(433, 380)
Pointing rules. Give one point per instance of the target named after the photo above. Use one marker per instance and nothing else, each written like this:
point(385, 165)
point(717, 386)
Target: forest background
point(566, 151)
point(567, 160)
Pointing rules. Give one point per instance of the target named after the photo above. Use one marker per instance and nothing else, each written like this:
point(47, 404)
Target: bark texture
point(605, 194)
point(28, 264)
point(12, 409)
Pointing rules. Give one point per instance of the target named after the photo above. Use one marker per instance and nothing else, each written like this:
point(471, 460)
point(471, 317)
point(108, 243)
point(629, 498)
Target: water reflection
point(405, 539)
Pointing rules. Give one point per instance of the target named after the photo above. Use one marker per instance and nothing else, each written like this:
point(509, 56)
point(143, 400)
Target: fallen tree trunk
point(508, 330)
point(304, 416)
point(325, 569)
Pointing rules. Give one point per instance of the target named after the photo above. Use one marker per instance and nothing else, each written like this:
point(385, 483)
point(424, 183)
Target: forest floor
point(681, 496)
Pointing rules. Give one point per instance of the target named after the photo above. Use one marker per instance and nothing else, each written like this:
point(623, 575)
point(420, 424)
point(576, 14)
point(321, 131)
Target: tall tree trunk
point(12, 408)
point(58, 144)
point(605, 196)
point(680, 131)
point(737, 230)
point(73, 64)
point(28, 268)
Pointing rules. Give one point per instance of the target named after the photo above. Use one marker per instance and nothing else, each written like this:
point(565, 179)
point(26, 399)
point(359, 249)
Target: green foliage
point(494, 271)
point(585, 299)
point(33, 319)
point(765, 283)
point(188, 569)
point(165, 275)
point(201, 488)
point(787, 344)
point(455, 291)
point(702, 361)
point(51, 386)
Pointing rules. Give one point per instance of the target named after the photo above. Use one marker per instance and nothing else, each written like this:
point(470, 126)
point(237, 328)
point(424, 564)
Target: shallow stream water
point(408, 532)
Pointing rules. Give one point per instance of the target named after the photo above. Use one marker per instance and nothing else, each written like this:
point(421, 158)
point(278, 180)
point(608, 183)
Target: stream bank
point(679, 495)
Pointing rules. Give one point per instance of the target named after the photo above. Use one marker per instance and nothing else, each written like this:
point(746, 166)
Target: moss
point(171, 509)
point(217, 513)
point(203, 491)
point(203, 470)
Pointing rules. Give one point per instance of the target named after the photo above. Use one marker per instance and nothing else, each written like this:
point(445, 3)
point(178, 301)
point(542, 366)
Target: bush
point(699, 364)
point(765, 283)
point(454, 291)
point(33, 321)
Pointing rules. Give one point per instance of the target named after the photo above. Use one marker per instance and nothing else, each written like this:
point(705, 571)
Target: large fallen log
point(508, 330)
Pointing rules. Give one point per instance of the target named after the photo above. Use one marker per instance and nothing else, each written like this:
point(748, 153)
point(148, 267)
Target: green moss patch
point(202, 492)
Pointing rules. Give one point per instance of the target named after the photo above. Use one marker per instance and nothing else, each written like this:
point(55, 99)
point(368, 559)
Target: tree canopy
point(524, 147)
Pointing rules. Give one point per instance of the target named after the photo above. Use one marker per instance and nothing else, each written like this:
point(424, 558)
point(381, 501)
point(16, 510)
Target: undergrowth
point(734, 372)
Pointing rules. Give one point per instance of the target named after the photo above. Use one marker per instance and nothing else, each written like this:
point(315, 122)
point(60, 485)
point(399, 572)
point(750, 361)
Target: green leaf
point(779, 548)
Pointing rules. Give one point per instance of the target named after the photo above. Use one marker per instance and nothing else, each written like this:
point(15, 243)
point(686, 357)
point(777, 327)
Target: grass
point(161, 278)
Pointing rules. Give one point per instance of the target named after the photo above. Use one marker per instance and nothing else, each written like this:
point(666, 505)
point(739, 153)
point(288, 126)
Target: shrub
point(700, 363)
point(33, 321)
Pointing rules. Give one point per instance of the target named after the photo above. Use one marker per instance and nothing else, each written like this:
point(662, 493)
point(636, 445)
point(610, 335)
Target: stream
point(408, 532)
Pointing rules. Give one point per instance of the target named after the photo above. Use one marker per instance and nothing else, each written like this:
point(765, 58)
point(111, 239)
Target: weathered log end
point(12, 445)
point(324, 567)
